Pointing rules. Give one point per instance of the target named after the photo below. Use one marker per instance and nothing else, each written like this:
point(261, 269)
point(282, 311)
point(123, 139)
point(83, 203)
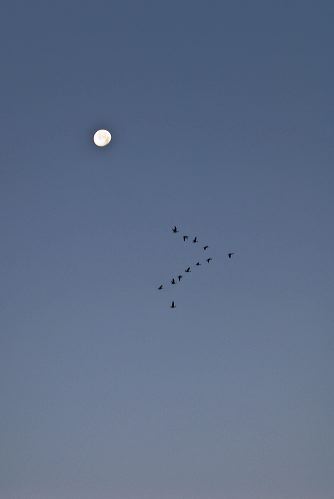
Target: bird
point(205, 247)
point(230, 254)
point(172, 305)
point(160, 287)
point(195, 240)
point(173, 281)
point(174, 229)
point(187, 269)
point(179, 277)
point(185, 238)
point(209, 259)
point(198, 264)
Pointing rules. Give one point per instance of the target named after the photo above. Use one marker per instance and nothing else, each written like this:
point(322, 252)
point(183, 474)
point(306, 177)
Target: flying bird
point(185, 238)
point(205, 247)
point(174, 229)
point(179, 277)
point(195, 240)
point(160, 287)
point(187, 269)
point(209, 259)
point(198, 264)
point(172, 305)
point(173, 281)
point(230, 254)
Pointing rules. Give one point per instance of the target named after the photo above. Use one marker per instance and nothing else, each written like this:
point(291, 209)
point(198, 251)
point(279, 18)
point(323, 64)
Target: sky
point(222, 121)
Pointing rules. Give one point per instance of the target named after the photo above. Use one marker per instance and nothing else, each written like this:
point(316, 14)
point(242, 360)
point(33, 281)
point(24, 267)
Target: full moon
point(102, 138)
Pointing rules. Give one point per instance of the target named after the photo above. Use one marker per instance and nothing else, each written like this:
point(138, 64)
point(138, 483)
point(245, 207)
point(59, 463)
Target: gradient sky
point(222, 118)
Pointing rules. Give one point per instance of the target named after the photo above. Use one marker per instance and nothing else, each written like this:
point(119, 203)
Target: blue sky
point(222, 122)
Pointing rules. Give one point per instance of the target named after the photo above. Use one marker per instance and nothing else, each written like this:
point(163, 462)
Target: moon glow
point(102, 138)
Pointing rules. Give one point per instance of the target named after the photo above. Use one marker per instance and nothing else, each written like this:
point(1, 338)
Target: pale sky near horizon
point(222, 122)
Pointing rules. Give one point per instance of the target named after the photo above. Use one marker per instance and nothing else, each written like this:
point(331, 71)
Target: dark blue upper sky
point(222, 121)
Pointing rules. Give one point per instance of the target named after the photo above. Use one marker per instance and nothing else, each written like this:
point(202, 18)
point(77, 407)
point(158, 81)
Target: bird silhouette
point(230, 254)
point(173, 281)
point(195, 240)
point(179, 277)
point(198, 264)
point(185, 238)
point(174, 229)
point(187, 269)
point(160, 287)
point(172, 305)
point(205, 247)
point(209, 259)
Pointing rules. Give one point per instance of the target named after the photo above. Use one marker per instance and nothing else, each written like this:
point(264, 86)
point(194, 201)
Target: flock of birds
point(185, 238)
